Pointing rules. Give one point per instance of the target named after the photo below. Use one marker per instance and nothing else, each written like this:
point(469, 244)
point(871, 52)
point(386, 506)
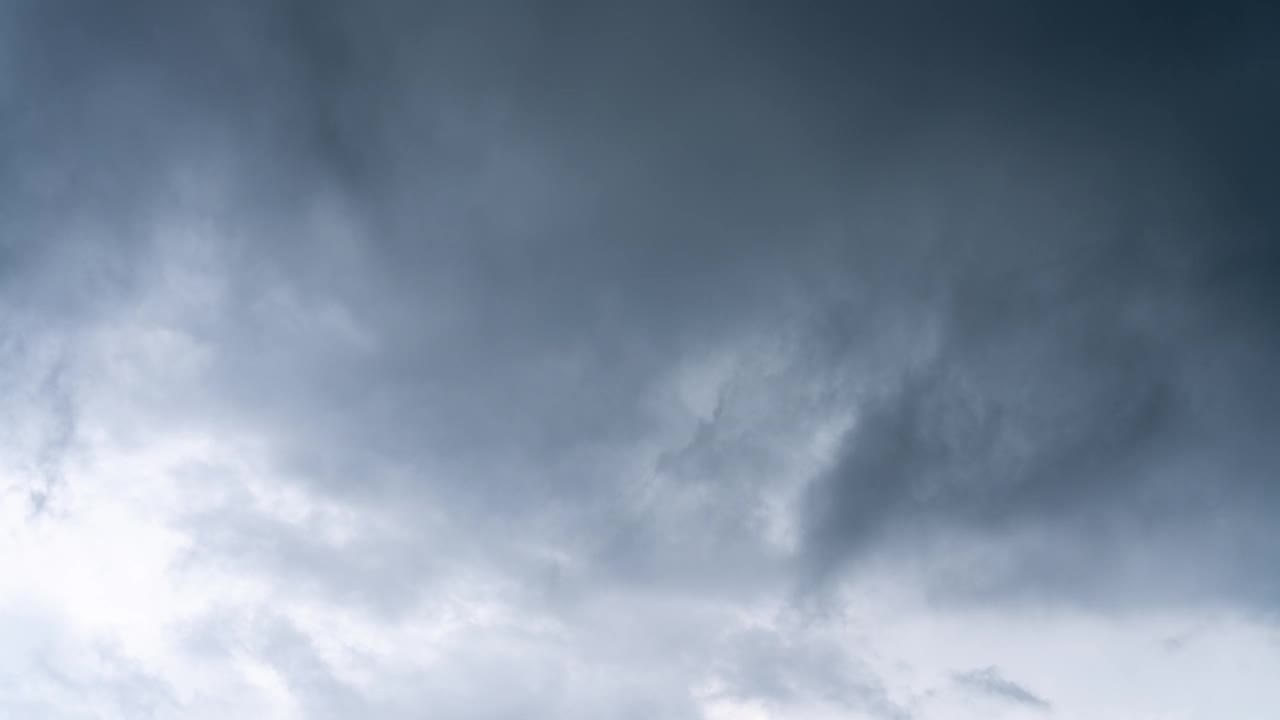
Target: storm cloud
point(608, 360)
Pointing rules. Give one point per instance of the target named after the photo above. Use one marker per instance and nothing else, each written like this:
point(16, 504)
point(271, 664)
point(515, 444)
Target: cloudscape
point(668, 360)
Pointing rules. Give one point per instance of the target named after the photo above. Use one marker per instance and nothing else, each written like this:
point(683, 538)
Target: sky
point(675, 360)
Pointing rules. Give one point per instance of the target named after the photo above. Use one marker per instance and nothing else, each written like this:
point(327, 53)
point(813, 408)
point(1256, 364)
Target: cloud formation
point(606, 360)
point(989, 680)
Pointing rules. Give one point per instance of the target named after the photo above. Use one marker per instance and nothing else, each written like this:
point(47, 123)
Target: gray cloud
point(990, 681)
point(622, 323)
point(787, 666)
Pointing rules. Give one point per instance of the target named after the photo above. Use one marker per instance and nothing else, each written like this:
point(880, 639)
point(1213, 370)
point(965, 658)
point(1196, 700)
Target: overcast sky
point(685, 360)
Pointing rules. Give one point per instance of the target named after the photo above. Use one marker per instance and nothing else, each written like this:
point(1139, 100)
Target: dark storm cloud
point(449, 264)
point(527, 227)
point(1092, 374)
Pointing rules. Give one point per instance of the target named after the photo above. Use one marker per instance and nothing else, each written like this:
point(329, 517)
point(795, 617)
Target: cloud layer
point(606, 360)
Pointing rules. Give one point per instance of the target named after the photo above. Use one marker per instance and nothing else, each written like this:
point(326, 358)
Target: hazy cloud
point(989, 680)
point(683, 360)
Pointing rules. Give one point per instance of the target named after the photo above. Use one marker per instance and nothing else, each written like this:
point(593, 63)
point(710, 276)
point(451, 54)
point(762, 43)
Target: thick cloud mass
point(639, 360)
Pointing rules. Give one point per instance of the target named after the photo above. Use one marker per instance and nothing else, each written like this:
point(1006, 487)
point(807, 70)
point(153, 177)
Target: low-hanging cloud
point(565, 359)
